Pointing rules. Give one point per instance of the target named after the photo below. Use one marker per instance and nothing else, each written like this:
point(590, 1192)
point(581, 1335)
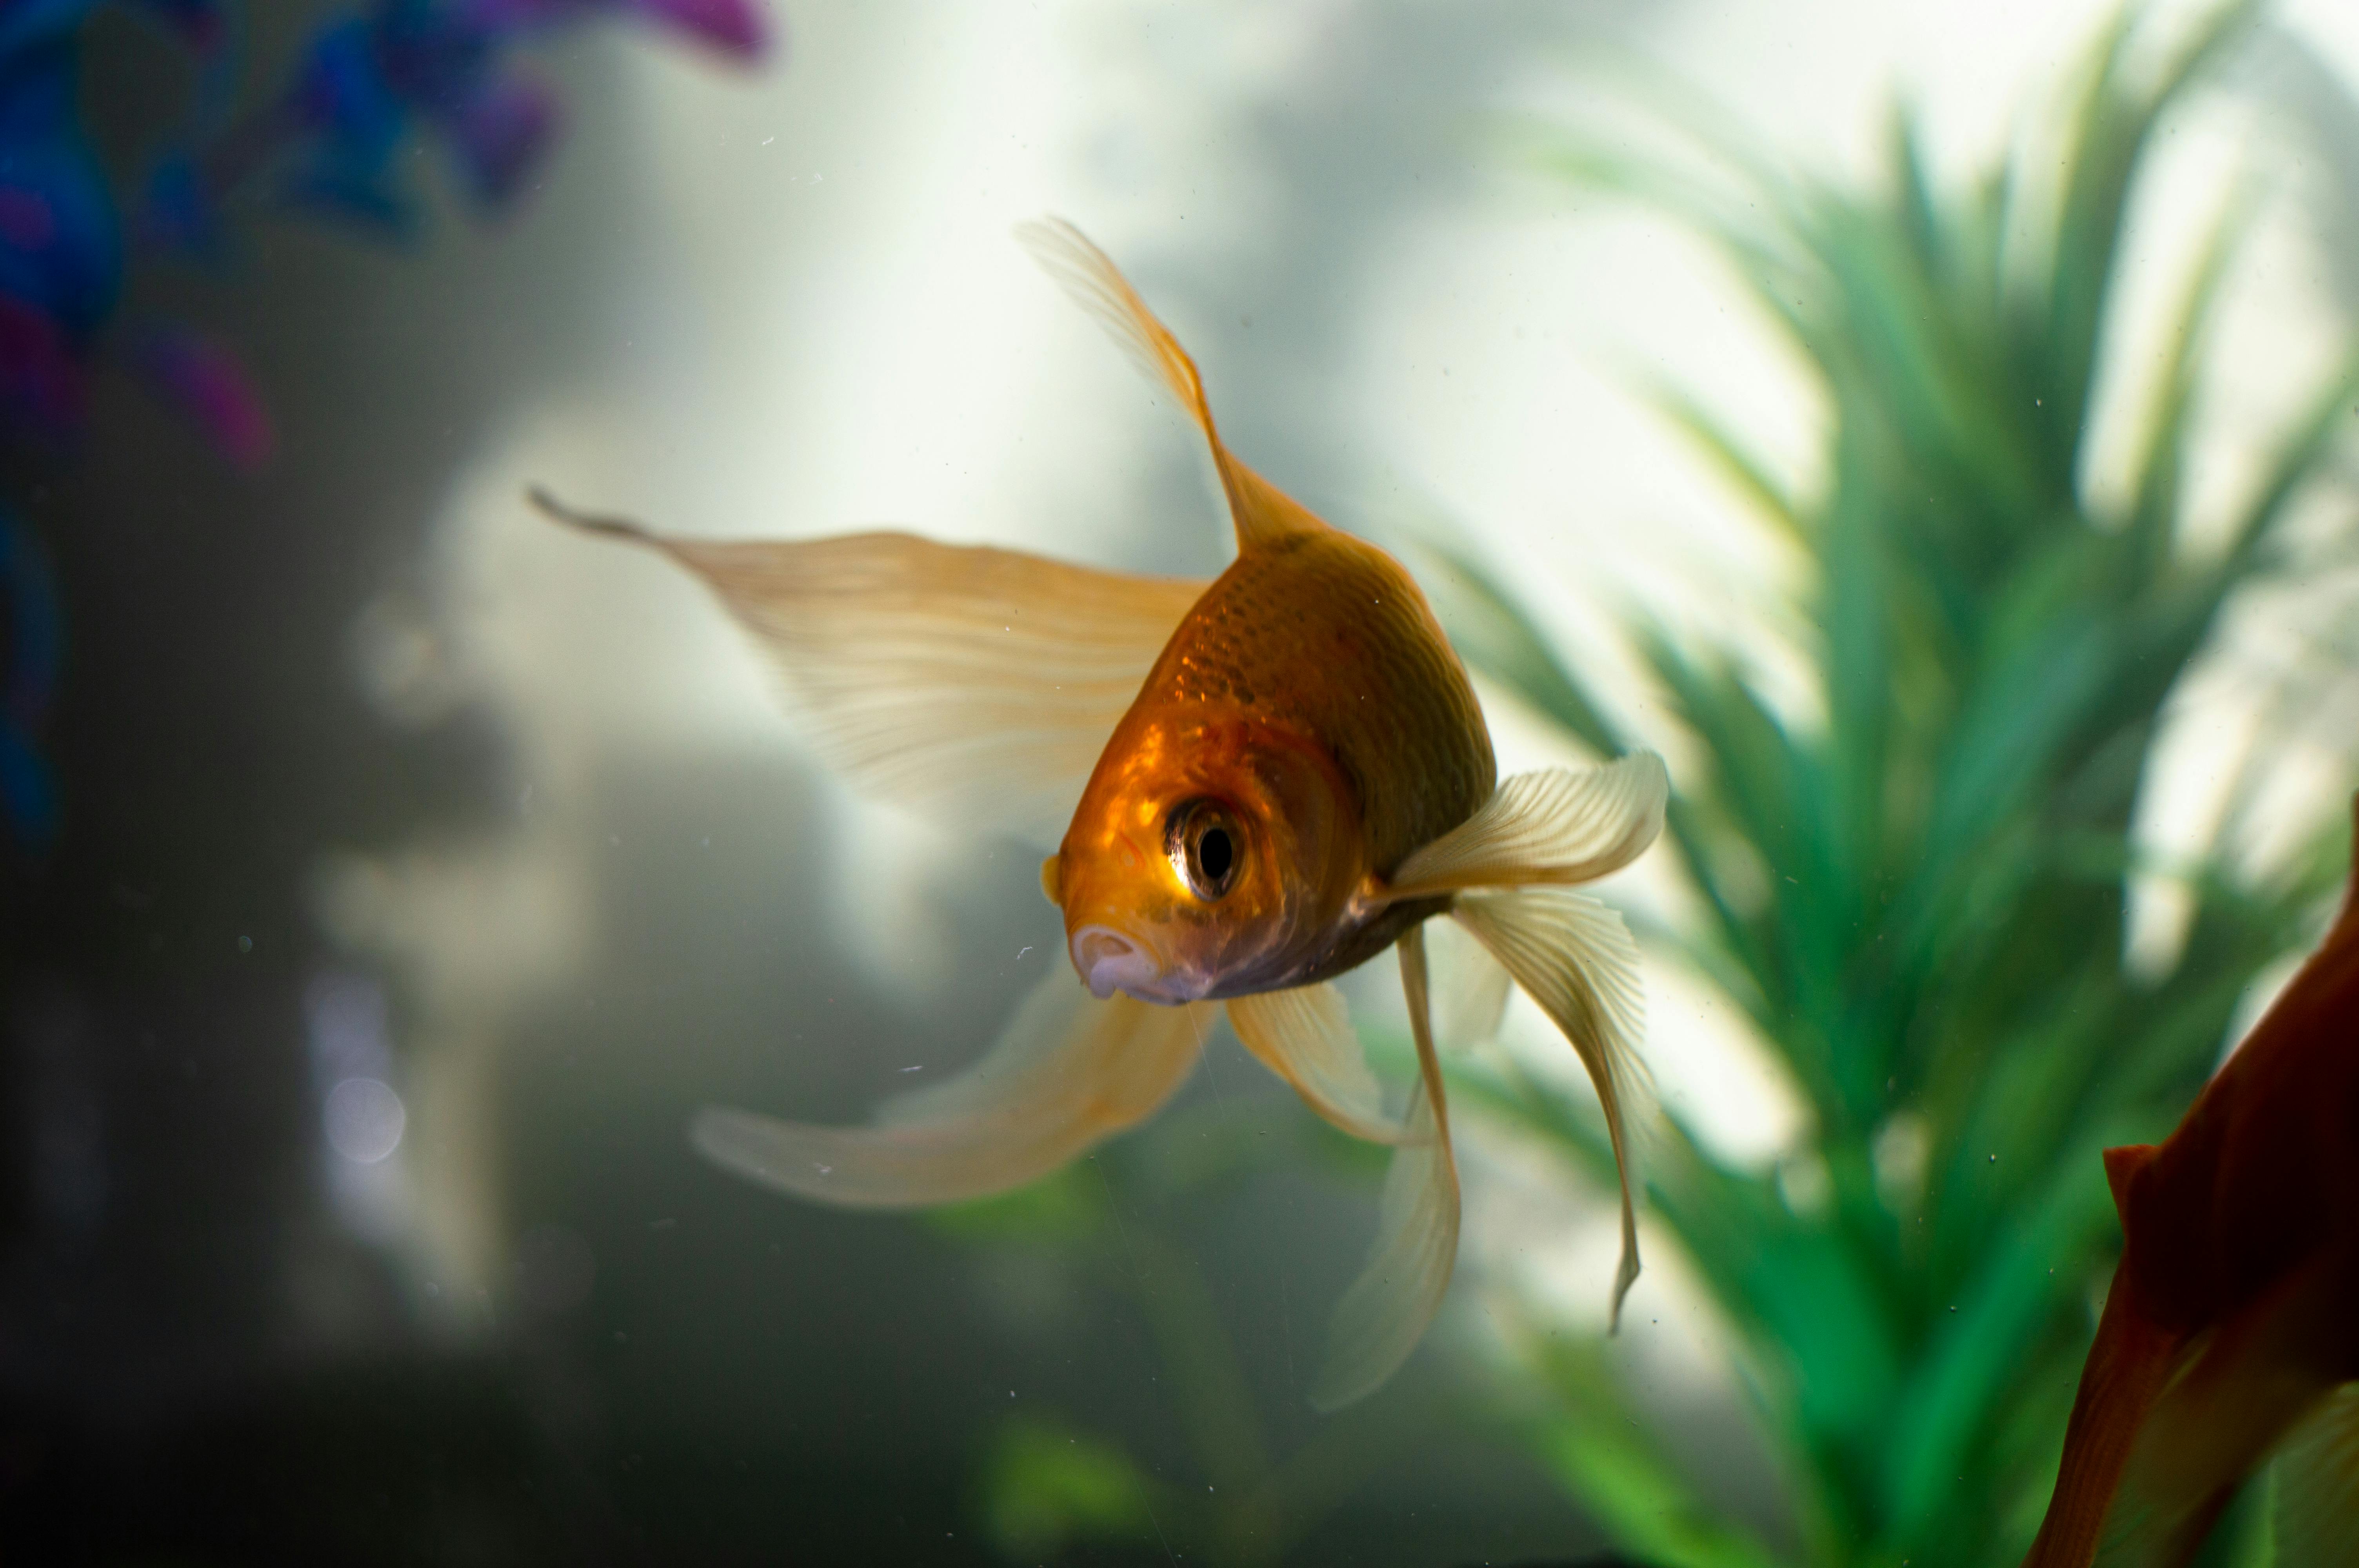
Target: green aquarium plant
point(1242, 1486)
point(1919, 899)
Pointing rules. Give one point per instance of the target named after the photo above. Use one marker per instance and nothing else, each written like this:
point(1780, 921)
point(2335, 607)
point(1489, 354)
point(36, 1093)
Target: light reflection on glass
point(365, 1119)
point(361, 1118)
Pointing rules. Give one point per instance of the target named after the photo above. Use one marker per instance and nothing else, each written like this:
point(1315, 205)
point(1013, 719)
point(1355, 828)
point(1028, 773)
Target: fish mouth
point(1109, 962)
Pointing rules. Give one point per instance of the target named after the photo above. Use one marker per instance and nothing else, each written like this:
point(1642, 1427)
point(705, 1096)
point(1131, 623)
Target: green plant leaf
point(1624, 1481)
point(1046, 1486)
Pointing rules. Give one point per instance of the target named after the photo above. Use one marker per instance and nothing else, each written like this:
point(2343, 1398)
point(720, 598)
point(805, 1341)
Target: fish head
point(1213, 855)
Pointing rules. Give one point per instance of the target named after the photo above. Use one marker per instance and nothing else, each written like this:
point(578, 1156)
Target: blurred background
point(397, 874)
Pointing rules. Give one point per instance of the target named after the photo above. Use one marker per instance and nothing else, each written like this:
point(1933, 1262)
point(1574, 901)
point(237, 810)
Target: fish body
point(2232, 1328)
point(1264, 781)
point(1310, 709)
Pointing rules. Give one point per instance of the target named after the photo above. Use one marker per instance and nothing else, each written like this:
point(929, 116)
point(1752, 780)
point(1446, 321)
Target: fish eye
point(1203, 842)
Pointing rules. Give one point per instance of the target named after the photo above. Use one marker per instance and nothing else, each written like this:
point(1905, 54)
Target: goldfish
point(2232, 1328)
point(1263, 782)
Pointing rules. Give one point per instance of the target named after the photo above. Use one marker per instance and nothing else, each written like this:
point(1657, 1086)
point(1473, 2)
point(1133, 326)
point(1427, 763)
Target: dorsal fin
point(1263, 513)
point(2123, 1162)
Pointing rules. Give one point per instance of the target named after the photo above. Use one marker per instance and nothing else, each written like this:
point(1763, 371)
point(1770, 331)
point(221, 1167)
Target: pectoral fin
point(1469, 988)
point(1262, 512)
point(979, 684)
point(1305, 1037)
point(1067, 1072)
point(1385, 1311)
point(1573, 956)
point(1557, 827)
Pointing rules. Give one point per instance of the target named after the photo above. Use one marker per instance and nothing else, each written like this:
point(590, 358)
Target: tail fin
point(1263, 513)
point(976, 684)
point(1067, 1073)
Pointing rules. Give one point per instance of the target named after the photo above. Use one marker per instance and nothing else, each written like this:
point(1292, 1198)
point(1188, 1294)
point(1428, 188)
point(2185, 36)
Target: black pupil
point(1214, 855)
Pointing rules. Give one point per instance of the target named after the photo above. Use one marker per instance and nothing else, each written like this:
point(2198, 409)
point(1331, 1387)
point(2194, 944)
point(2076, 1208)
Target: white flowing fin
point(1067, 1072)
point(978, 685)
point(2318, 1487)
point(1573, 956)
point(1469, 988)
point(1305, 1037)
point(1559, 827)
point(1385, 1311)
point(1263, 513)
